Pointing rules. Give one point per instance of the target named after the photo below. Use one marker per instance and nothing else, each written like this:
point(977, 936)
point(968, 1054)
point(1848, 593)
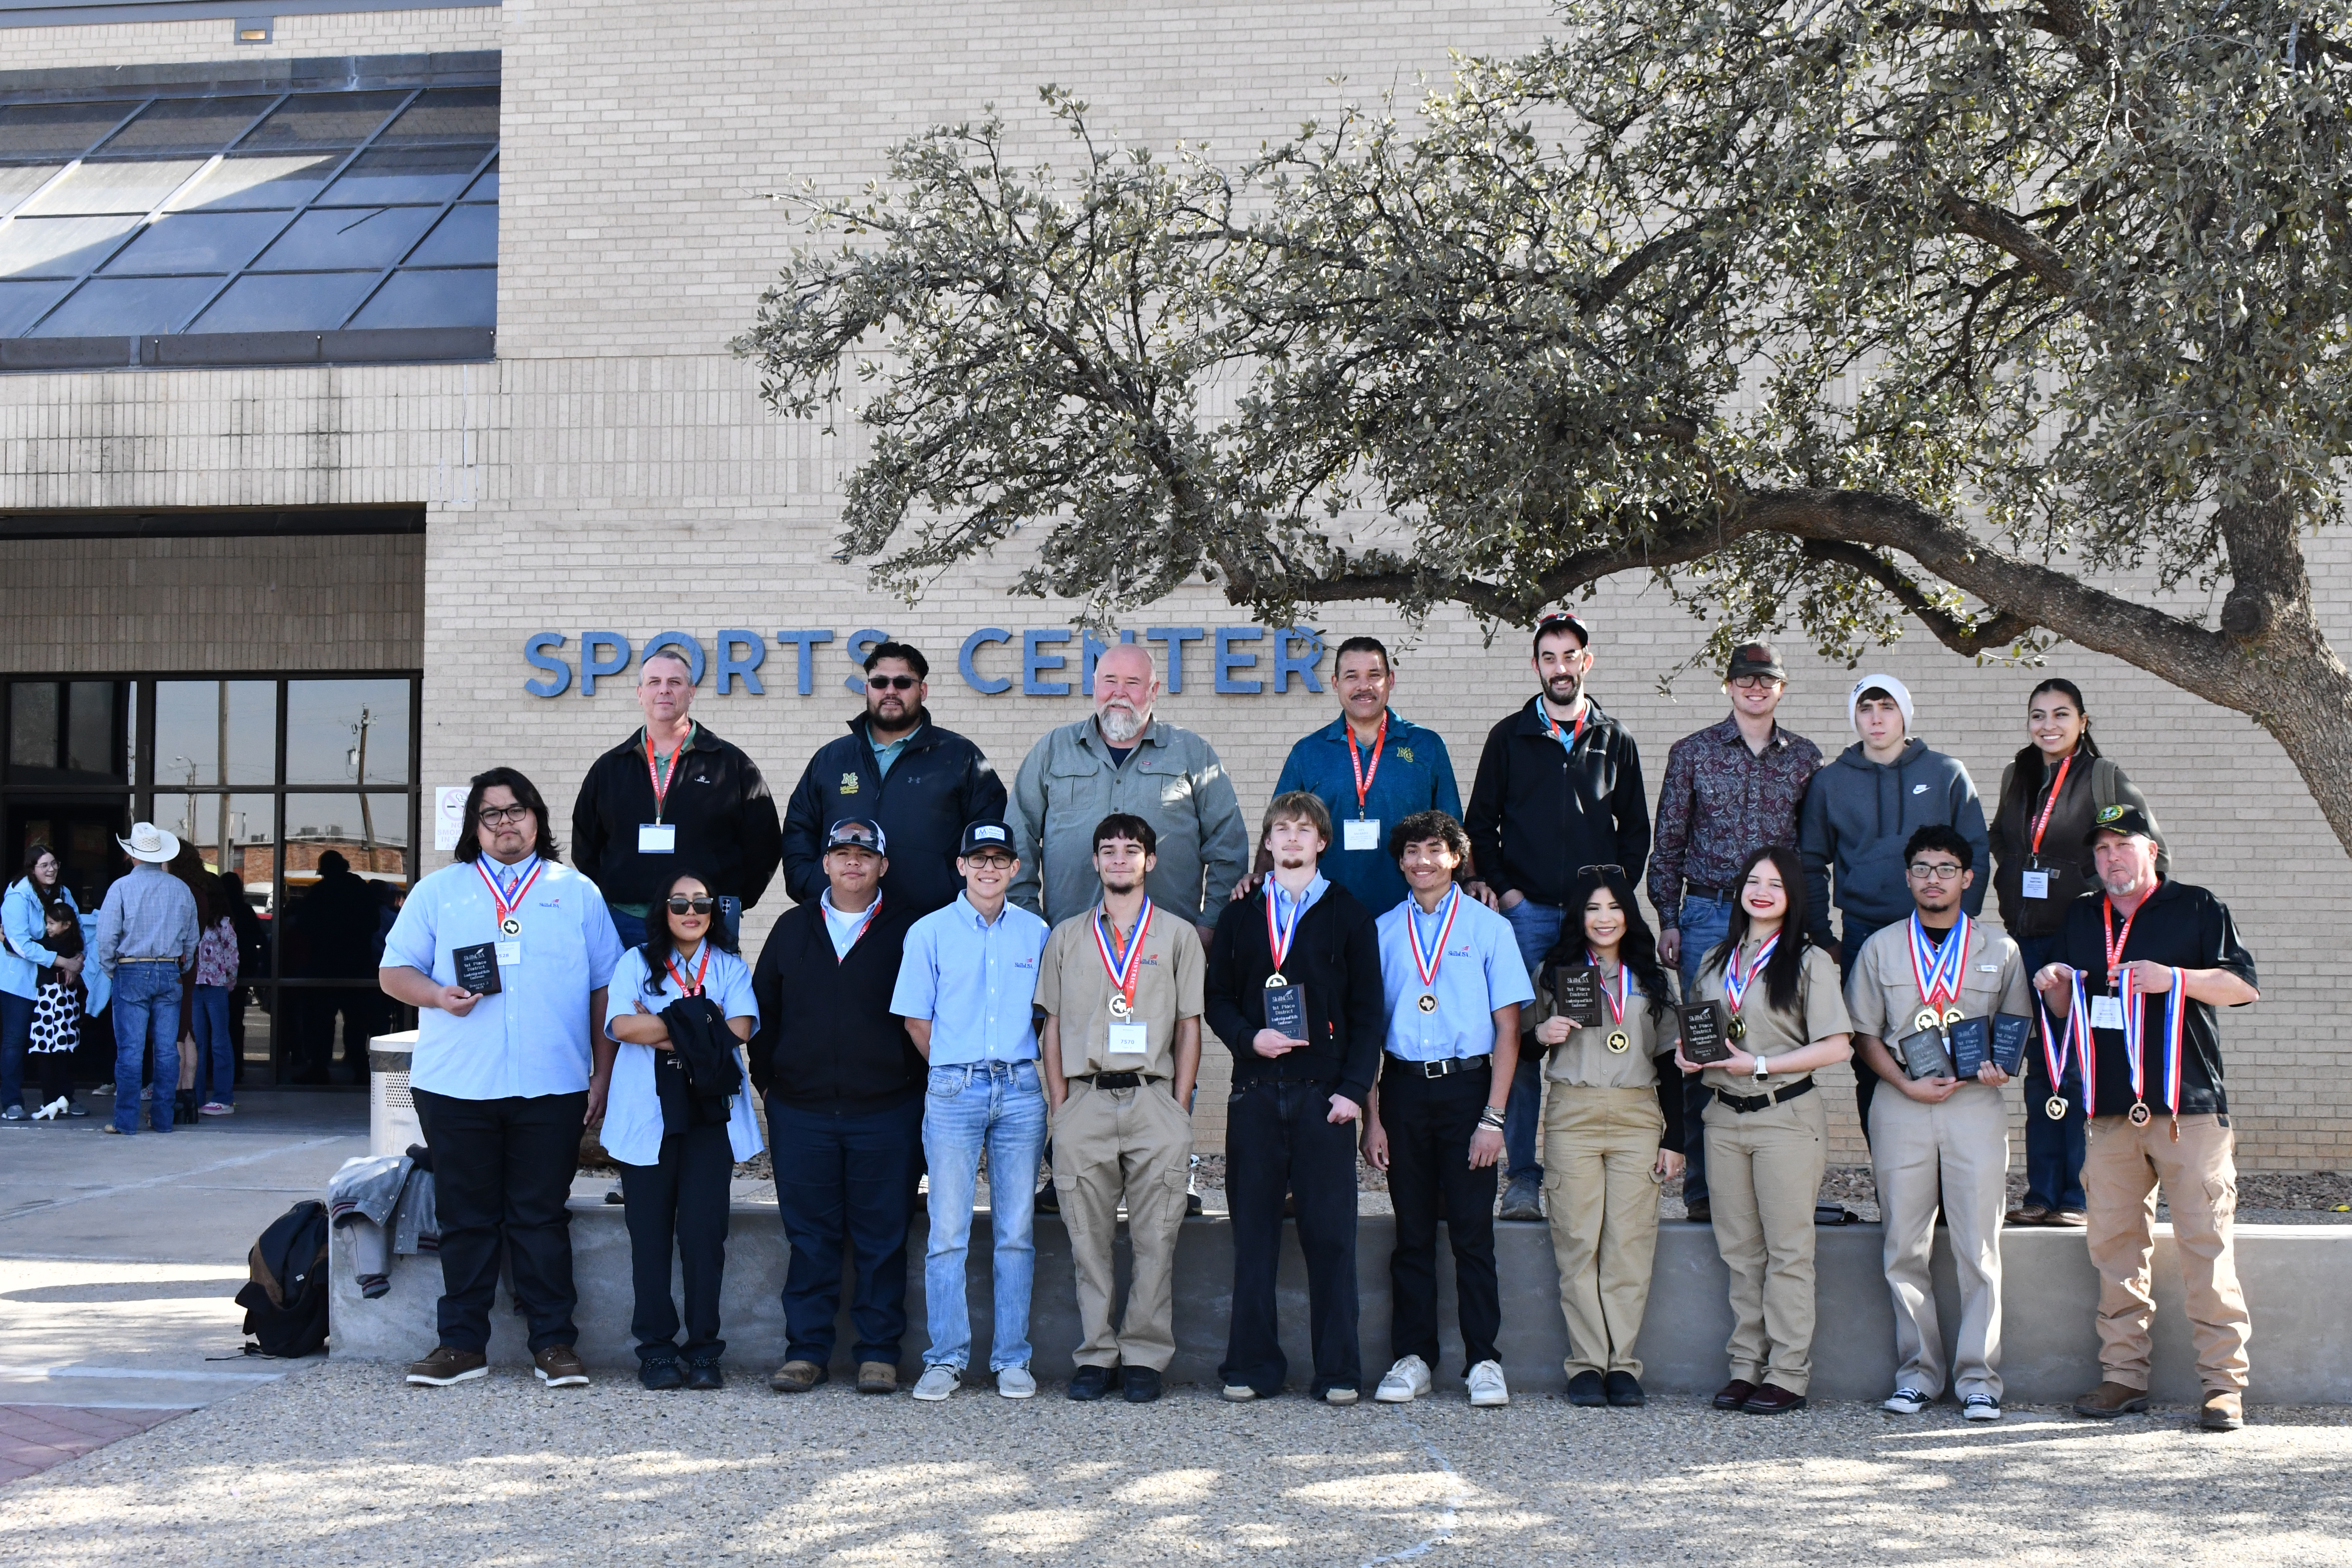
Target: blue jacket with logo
point(940, 783)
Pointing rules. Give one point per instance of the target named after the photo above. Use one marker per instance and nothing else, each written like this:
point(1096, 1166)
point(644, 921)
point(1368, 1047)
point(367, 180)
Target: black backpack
point(286, 1302)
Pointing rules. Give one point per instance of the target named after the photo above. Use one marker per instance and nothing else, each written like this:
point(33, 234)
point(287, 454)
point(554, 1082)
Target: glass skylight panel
point(273, 180)
point(468, 237)
point(104, 186)
point(199, 125)
point(485, 189)
point(125, 307)
point(196, 242)
point(405, 175)
point(445, 118)
point(19, 181)
point(21, 304)
point(288, 303)
point(323, 120)
point(347, 236)
point(467, 297)
point(59, 247)
point(56, 131)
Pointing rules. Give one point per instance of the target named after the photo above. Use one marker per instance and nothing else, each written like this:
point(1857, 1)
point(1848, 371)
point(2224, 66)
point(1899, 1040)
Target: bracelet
point(1490, 1117)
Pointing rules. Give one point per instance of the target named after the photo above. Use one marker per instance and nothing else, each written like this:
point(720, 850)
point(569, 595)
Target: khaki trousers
point(1953, 1156)
point(1763, 1174)
point(1601, 1192)
point(2121, 1172)
point(1111, 1144)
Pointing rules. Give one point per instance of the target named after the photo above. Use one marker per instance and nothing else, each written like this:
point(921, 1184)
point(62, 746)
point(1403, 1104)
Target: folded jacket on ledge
point(385, 1202)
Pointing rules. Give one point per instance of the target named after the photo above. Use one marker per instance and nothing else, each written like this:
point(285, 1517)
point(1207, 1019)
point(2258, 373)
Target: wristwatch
point(1762, 1068)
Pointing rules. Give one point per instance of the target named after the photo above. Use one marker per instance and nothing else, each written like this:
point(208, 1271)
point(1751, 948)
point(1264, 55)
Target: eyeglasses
point(503, 815)
point(1599, 870)
point(890, 683)
point(992, 857)
point(1755, 683)
point(683, 906)
point(1945, 872)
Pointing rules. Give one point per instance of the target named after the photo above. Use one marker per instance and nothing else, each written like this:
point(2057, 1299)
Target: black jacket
point(1536, 813)
point(2182, 927)
point(940, 783)
point(726, 820)
point(1336, 955)
point(827, 1039)
point(705, 1050)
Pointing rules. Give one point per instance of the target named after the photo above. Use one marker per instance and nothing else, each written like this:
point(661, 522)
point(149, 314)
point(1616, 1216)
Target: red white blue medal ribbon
point(1938, 970)
point(1736, 981)
point(1427, 963)
point(2078, 1029)
point(690, 987)
point(1278, 932)
point(2175, 1018)
point(1617, 998)
point(2135, 1044)
point(1123, 967)
point(507, 906)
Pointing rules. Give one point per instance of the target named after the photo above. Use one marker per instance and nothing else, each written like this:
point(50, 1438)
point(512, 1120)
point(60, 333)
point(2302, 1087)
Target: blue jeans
point(15, 1038)
point(1537, 926)
point(146, 1011)
point(2053, 1150)
point(998, 1104)
point(215, 1049)
point(1704, 922)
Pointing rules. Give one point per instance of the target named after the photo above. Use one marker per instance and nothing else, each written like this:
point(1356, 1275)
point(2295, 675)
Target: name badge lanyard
point(2136, 1048)
point(701, 971)
point(1427, 963)
point(1125, 968)
point(1936, 972)
point(661, 778)
point(1736, 981)
point(1279, 933)
point(1552, 726)
point(1618, 1040)
point(2042, 822)
point(508, 924)
point(1364, 775)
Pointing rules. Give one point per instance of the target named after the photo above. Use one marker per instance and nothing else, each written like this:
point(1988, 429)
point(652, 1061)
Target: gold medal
point(1925, 1018)
point(1737, 1029)
point(2054, 1108)
point(1428, 1003)
point(511, 926)
point(1274, 981)
point(2140, 1114)
point(1619, 1041)
point(1119, 1006)
point(1953, 1016)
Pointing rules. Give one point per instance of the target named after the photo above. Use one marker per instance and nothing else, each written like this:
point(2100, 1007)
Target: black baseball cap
point(1563, 621)
point(1755, 658)
point(987, 834)
point(856, 833)
point(2128, 819)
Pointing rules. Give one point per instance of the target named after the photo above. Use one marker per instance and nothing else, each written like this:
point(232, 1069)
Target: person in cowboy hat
point(146, 938)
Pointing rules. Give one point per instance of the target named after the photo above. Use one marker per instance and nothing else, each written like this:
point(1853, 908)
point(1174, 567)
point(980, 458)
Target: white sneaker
point(1488, 1389)
point(215, 1108)
point(1240, 1393)
point(1406, 1382)
point(938, 1381)
point(53, 1109)
point(1339, 1396)
point(1012, 1382)
point(1980, 1407)
point(1907, 1402)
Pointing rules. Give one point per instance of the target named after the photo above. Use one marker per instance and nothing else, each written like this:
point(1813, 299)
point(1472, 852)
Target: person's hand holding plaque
point(1274, 1042)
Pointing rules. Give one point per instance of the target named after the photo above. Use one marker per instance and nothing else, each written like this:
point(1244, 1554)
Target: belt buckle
point(1436, 1068)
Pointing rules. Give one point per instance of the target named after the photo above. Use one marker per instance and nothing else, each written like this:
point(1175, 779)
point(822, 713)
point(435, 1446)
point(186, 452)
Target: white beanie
point(1886, 683)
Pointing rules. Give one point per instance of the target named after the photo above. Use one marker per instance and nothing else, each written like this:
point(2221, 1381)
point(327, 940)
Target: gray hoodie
point(1856, 818)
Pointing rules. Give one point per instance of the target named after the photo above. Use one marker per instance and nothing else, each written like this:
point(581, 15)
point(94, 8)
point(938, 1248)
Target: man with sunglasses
point(919, 783)
point(672, 794)
point(1730, 788)
point(1558, 787)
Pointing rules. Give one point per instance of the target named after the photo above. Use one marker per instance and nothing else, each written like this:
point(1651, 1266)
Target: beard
point(1121, 723)
point(1574, 684)
point(1121, 885)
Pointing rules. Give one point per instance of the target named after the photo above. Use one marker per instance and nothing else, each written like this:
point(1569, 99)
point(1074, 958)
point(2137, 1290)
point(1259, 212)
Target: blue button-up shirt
point(1415, 773)
point(531, 1037)
point(1285, 919)
point(973, 980)
point(148, 914)
point(1481, 971)
point(633, 1117)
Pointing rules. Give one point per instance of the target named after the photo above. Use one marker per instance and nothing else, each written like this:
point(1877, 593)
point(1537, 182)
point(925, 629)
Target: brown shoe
point(446, 1367)
point(796, 1377)
point(2028, 1214)
point(2111, 1399)
point(1771, 1399)
point(558, 1366)
point(877, 1377)
point(1699, 1212)
point(2224, 1410)
point(2074, 1218)
point(1734, 1395)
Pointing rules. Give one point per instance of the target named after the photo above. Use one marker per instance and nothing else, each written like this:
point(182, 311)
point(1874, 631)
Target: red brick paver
point(34, 1436)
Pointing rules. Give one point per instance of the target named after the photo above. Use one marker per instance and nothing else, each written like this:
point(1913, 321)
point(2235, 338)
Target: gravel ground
point(343, 1465)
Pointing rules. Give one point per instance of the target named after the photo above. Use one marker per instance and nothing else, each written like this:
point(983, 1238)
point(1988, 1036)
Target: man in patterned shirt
point(1730, 789)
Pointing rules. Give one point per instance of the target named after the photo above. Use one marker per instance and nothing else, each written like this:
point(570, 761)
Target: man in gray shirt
point(146, 937)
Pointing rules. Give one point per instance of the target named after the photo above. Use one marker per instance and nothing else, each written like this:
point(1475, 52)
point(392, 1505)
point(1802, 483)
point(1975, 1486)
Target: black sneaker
point(1047, 1201)
point(1625, 1390)
point(1142, 1384)
point(704, 1375)
point(662, 1375)
point(1587, 1389)
point(1090, 1384)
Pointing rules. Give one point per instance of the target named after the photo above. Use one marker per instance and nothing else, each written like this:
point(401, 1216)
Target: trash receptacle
point(392, 1115)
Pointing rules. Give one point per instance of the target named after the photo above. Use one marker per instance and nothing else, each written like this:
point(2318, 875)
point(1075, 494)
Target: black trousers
point(1429, 1121)
point(501, 1172)
point(1278, 1139)
point(679, 1204)
point(845, 1193)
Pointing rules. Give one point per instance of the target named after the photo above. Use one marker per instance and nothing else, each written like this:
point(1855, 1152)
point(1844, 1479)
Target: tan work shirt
point(1820, 1013)
point(1883, 996)
point(1074, 985)
point(1585, 1059)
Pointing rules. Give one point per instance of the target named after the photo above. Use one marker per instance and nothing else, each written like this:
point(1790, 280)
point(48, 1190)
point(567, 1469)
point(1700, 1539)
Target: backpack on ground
point(286, 1300)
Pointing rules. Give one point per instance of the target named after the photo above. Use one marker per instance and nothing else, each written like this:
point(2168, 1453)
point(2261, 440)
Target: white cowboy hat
point(149, 842)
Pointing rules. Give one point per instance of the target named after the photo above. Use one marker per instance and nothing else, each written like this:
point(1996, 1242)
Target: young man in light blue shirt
point(1453, 981)
point(965, 989)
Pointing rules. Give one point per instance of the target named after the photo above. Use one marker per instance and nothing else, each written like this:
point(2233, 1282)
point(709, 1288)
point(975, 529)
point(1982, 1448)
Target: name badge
point(1129, 1040)
point(656, 837)
point(509, 955)
point(1360, 832)
point(2106, 1012)
point(2033, 884)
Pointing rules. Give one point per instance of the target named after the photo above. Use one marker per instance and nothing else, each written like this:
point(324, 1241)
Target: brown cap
point(1755, 658)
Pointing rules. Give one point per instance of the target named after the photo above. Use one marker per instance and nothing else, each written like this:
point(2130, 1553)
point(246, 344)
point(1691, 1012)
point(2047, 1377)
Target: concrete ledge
point(2295, 1279)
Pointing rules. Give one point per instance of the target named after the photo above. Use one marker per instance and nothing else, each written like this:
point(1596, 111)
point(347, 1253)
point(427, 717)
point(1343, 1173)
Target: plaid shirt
point(1720, 800)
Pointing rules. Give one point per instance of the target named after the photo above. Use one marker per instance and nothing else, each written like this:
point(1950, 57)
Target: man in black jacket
point(1559, 788)
point(921, 783)
point(1297, 1101)
point(845, 1088)
point(672, 794)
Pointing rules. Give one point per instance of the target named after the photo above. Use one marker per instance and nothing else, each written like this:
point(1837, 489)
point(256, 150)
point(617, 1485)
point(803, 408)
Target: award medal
point(2053, 1050)
point(1364, 775)
point(507, 922)
point(701, 971)
point(2119, 980)
point(1736, 980)
point(1123, 968)
point(1279, 933)
point(1937, 971)
point(1427, 963)
point(1618, 1040)
point(2135, 1051)
point(661, 780)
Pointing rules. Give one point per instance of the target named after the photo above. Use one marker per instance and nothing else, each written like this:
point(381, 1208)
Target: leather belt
point(1441, 1069)
point(1744, 1103)
point(1116, 1079)
point(1712, 895)
point(119, 962)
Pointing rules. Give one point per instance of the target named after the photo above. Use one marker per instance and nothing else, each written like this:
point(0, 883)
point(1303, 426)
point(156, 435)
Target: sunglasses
point(851, 837)
point(685, 906)
point(1601, 870)
point(890, 683)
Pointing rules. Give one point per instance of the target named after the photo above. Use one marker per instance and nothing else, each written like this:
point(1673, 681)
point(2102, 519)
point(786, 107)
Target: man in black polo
point(1558, 788)
point(672, 794)
point(845, 1088)
point(921, 783)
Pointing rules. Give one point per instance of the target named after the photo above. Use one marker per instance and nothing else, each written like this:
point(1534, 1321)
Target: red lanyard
point(661, 780)
point(2051, 804)
point(685, 988)
point(871, 911)
point(1552, 725)
point(1364, 775)
point(2116, 944)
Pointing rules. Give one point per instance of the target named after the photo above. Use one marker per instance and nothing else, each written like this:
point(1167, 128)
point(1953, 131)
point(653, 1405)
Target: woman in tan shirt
point(1612, 1132)
point(1767, 1136)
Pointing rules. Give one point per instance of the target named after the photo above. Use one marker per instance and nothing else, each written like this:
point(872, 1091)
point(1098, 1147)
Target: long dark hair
point(2029, 770)
point(469, 838)
point(1637, 950)
point(51, 899)
point(660, 944)
point(1788, 957)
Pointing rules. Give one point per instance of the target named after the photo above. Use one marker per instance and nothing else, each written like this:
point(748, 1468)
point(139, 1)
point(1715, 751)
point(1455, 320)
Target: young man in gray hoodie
point(1859, 813)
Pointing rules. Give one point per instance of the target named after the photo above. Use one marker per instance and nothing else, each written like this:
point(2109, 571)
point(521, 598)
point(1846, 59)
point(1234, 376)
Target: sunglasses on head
point(681, 905)
point(1599, 871)
point(890, 683)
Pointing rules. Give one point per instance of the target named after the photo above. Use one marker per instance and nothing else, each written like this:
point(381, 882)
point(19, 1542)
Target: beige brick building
point(610, 468)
